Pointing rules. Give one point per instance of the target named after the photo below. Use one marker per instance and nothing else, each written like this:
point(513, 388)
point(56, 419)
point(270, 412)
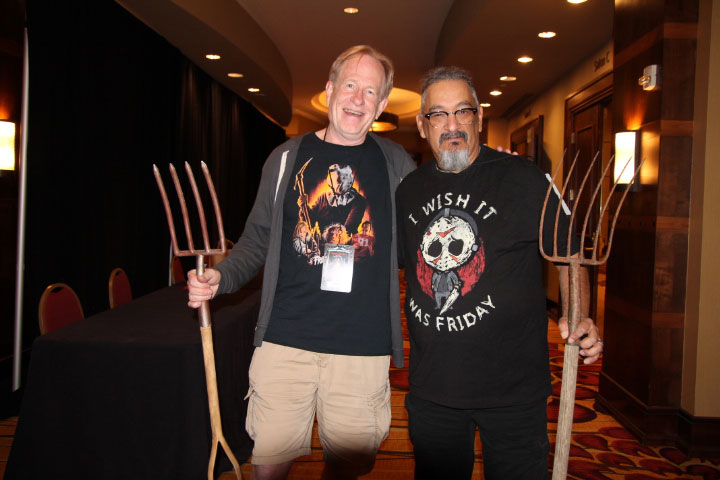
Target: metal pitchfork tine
point(569, 377)
point(205, 321)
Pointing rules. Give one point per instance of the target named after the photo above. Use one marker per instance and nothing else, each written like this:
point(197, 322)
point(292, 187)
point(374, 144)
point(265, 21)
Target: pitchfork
point(569, 377)
point(205, 321)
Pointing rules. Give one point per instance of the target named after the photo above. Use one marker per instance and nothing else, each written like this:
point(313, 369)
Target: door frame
point(600, 90)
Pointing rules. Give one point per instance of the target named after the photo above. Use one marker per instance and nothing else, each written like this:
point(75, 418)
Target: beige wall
point(551, 105)
point(701, 374)
point(498, 134)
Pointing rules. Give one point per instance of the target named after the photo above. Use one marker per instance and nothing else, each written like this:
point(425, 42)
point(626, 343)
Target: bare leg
point(278, 471)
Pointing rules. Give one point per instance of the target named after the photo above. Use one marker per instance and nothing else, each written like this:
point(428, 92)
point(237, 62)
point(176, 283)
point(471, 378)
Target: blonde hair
point(361, 50)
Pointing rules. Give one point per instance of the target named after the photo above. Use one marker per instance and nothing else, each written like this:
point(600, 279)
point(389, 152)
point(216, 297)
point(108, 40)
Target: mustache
point(452, 135)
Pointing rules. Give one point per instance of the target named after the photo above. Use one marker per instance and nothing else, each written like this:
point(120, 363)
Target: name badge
point(337, 271)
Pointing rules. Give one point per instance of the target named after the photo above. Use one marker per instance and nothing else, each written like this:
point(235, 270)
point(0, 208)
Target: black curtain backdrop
point(108, 98)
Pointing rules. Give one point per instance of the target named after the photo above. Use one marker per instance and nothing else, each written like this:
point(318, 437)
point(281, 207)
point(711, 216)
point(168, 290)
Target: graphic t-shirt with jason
point(475, 302)
point(338, 201)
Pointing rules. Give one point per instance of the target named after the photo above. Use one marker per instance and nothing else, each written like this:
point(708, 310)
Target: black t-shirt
point(348, 202)
point(475, 303)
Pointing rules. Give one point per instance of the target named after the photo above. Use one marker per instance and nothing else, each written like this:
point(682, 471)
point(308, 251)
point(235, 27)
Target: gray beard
point(454, 160)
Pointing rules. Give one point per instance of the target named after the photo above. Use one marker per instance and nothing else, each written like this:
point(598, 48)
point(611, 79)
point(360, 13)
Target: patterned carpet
point(601, 448)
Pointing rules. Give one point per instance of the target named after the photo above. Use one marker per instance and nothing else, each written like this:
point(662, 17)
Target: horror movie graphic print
point(447, 286)
point(331, 211)
point(335, 208)
point(451, 257)
point(475, 302)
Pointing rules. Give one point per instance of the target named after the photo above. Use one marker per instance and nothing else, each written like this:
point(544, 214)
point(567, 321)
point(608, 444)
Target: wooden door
point(587, 136)
point(585, 144)
point(528, 141)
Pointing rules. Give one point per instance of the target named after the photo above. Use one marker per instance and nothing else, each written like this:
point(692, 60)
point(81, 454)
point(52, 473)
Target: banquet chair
point(59, 306)
point(215, 259)
point(119, 291)
point(177, 274)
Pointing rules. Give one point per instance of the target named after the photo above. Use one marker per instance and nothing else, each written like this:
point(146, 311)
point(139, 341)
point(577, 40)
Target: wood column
point(641, 379)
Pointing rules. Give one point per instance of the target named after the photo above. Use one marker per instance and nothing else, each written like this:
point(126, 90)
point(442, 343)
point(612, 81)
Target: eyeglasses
point(464, 116)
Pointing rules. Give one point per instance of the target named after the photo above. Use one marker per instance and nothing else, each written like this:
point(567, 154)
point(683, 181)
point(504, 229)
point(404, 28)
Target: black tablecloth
point(121, 394)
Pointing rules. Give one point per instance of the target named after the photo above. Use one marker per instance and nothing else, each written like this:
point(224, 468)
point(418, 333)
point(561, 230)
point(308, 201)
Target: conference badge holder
point(337, 271)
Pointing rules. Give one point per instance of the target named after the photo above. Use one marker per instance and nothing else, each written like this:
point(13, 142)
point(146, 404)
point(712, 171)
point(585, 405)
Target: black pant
point(514, 440)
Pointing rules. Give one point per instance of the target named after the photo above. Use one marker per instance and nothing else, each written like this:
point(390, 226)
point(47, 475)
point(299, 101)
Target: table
point(121, 394)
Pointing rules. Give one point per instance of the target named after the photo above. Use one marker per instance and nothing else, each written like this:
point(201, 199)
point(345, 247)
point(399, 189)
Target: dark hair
point(447, 72)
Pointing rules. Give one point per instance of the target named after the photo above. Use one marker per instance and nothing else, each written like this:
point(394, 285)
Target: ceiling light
point(403, 103)
point(546, 34)
point(386, 122)
point(495, 93)
point(253, 90)
point(525, 59)
point(576, 1)
point(212, 56)
point(485, 105)
point(507, 78)
point(235, 75)
point(351, 10)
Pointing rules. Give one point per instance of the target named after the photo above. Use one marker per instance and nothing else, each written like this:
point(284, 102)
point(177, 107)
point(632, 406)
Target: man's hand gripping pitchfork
point(572, 277)
point(205, 321)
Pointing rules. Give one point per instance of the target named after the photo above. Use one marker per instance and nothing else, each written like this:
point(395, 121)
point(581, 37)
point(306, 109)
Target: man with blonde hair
point(324, 336)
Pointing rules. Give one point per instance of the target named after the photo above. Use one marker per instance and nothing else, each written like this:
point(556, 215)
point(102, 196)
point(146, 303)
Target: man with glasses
point(327, 324)
point(475, 306)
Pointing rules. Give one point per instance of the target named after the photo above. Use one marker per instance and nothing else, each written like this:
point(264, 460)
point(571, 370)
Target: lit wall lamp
point(627, 152)
point(7, 145)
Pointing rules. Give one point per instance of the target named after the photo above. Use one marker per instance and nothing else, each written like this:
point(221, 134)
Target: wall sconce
point(7, 145)
point(386, 122)
point(650, 79)
point(626, 155)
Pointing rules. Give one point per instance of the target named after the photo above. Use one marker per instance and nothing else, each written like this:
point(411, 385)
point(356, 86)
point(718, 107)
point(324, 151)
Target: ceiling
point(285, 47)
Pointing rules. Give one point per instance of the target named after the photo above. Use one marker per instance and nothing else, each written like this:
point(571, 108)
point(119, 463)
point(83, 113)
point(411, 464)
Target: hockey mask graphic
point(449, 241)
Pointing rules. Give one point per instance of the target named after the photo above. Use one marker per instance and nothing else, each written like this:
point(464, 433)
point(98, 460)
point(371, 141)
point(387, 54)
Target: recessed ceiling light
point(577, 1)
point(495, 93)
point(212, 56)
point(351, 10)
point(507, 78)
point(525, 59)
point(253, 90)
point(485, 105)
point(235, 75)
point(546, 34)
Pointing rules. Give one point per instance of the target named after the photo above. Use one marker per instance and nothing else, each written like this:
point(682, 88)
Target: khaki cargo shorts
point(350, 394)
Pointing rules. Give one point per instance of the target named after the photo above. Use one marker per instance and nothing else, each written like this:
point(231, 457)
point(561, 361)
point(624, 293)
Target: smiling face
point(455, 146)
point(354, 100)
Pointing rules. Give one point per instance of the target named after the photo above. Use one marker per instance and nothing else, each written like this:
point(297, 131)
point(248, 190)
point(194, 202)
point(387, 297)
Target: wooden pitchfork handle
point(569, 379)
point(211, 380)
point(204, 313)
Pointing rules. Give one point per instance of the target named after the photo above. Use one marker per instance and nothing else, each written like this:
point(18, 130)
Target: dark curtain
point(217, 124)
point(109, 98)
